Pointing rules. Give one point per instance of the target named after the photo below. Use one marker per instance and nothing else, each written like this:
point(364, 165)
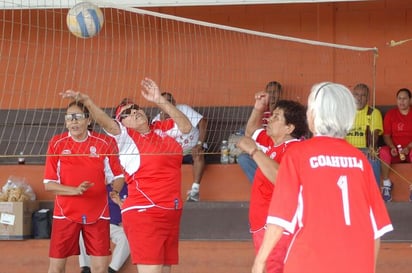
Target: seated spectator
point(366, 129)
point(397, 135)
point(193, 143)
point(258, 119)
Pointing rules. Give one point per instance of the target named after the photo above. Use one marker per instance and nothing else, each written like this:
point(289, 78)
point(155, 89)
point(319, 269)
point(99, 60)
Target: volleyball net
point(215, 69)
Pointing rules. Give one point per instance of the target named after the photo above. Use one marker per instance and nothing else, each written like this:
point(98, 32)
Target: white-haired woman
point(326, 196)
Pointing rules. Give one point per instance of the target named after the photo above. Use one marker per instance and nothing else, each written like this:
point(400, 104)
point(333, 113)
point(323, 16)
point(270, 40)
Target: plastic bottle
point(8, 185)
point(21, 160)
point(232, 153)
point(224, 152)
point(401, 155)
point(232, 158)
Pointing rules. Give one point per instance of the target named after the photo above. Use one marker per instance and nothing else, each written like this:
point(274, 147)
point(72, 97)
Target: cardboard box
point(15, 219)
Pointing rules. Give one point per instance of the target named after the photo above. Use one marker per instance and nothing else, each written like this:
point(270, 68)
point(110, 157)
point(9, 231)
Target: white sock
point(195, 187)
point(387, 183)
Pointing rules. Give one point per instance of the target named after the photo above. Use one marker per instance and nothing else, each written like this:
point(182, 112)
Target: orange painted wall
point(39, 58)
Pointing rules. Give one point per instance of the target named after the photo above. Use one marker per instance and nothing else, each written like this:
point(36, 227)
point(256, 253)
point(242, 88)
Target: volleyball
point(85, 20)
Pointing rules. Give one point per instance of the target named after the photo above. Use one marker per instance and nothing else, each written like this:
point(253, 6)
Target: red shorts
point(153, 235)
point(64, 241)
point(276, 259)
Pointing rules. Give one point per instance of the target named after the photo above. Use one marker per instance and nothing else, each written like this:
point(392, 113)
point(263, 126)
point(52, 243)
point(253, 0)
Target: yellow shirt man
point(366, 128)
point(365, 117)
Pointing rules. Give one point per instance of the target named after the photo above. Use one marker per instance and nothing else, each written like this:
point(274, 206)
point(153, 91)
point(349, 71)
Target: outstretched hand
point(75, 95)
point(150, 90)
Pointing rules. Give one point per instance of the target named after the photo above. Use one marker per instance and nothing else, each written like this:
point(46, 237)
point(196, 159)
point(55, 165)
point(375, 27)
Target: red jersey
point(70, 163)
point(262, 188)
point(152, 163)
point(326, 187)
point(398, 126)
point(263, 141)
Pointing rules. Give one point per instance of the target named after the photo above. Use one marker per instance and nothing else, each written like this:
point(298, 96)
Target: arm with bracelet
point(268, 166)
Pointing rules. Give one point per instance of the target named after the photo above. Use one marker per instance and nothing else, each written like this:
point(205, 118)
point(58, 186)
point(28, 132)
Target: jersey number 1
point(343, 186)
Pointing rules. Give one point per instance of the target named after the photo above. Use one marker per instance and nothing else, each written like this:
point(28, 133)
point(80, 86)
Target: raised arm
point(151, 92)
point(103, 119)
point(255, 120)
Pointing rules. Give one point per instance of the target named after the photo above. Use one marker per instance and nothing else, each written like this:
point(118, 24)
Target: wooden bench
point(31, 135)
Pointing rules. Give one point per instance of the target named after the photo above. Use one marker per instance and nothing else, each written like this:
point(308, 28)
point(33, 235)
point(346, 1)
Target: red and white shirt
point(326, 188)
point(187, 141)
point(152, 163)
point(70, 163)
point(262, 188)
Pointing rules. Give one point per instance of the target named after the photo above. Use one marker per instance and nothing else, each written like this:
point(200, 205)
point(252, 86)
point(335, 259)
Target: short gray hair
point(333, 109)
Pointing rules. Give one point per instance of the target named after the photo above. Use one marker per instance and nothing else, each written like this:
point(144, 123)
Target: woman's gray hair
point(333, 109)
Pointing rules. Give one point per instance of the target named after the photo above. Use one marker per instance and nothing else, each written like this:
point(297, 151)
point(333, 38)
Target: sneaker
point(192, 196)
point(387, 193)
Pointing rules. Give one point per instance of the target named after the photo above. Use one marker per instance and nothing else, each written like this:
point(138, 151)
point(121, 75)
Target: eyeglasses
point(75, 116)
point(127, 112)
